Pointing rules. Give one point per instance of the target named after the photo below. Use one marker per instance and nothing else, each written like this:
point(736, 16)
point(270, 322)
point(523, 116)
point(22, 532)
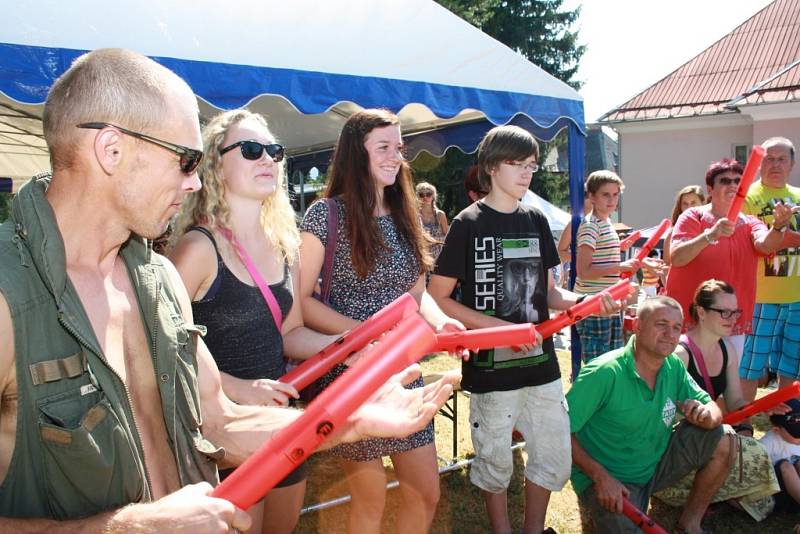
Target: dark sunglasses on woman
point(253, 150)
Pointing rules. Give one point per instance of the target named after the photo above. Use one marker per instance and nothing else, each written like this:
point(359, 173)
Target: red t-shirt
point(734, 259)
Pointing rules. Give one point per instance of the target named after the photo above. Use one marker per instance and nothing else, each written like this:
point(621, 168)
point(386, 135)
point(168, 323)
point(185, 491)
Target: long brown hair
point(350, 179)
point(689, 189)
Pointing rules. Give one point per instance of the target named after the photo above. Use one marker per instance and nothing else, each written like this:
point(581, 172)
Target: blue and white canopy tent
point(305, 64)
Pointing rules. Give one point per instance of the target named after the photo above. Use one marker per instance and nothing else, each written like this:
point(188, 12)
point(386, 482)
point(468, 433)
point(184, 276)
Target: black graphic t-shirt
point(502, 262)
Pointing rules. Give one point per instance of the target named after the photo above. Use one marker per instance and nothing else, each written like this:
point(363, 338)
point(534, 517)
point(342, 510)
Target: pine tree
point(541, 32)
point(537, 29)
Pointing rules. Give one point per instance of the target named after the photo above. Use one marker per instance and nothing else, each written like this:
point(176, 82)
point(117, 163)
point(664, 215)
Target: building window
point(740, 153)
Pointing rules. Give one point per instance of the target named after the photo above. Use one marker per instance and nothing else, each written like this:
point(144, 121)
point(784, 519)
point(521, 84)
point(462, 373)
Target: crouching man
point(623, 407)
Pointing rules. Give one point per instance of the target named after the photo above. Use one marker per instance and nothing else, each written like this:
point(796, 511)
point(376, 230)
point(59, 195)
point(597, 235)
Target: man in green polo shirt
point(622, 410)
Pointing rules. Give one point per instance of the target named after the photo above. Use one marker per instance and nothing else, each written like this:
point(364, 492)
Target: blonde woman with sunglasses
point(242, 215)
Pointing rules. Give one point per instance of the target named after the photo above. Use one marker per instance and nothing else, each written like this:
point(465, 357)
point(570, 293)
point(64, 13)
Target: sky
point(633, 44)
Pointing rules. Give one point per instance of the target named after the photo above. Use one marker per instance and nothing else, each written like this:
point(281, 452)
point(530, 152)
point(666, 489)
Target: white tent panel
point(557, 217)
point(306, 64)
point(400, 39)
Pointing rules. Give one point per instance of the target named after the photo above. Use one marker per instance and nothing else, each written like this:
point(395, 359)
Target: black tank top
point(719, 382)
point(242, 335)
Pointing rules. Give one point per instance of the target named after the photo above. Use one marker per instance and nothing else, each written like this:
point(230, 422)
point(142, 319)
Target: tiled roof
point(759, 60)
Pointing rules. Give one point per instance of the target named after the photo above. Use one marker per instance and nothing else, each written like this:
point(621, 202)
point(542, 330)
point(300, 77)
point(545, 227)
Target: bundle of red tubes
point(409, 341)
point(403, 345)
point(307, 372)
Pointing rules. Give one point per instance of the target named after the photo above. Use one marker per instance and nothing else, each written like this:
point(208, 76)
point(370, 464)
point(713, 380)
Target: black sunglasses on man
point(189, 157)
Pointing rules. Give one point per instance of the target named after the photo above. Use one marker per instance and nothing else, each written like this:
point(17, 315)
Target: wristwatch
point(707, 236)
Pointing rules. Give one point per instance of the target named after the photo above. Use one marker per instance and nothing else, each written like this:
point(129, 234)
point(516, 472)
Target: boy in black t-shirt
point(502, 252)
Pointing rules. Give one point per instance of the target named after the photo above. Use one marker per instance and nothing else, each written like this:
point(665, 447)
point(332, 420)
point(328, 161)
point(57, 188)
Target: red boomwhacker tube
point(404, 345)
point(750, 171)
point(626, 243)
point(525, 333)
point(313, 368)
point(764, 403)
point(650, 243)
point(578, 312)
point(487, 338)
point(640, 519)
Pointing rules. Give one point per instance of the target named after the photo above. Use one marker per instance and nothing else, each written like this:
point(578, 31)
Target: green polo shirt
point(620, 422)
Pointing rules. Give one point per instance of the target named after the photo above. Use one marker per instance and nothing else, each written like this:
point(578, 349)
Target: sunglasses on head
point(728, 181)
point(424, 194)
point(189, 157)
point(253, 150)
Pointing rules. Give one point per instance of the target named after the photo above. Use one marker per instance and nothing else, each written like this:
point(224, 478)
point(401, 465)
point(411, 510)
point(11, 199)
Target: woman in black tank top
point(714, 311)
point(243, 199)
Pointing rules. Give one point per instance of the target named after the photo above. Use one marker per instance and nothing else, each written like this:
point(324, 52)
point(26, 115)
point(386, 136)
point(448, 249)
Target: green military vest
point(78, 450)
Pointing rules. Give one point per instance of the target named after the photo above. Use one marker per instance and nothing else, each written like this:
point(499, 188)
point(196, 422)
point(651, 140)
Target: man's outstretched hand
point(395, 412)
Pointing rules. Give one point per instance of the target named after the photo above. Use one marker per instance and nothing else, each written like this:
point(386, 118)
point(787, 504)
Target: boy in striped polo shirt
point(598, 264)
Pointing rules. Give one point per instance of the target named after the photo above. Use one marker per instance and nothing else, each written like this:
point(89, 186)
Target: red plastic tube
point(764, 403)
point(750, 171)
point(640, 519)
point(290, 447)
point(626, 243)
point(578, 312)
point(307, 372)
point(487, 338)
point(650, 243)
point(525, 333)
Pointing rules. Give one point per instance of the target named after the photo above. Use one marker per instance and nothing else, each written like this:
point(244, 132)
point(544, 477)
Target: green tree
point(538, 29)
point(476, 12)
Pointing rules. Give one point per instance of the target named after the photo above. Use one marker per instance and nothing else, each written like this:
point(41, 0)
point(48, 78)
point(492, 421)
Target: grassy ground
point(461, 506)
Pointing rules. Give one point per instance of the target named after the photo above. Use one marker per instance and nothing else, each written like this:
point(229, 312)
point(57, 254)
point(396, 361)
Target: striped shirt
point(600, 236)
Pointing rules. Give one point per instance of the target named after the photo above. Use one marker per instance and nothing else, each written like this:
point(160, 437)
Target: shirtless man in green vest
point(112, 417)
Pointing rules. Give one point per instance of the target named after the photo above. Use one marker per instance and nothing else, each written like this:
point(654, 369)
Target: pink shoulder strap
point(700, 362)
point(266, 292)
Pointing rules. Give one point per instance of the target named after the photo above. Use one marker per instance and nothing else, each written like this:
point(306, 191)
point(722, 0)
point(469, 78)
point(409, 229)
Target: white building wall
point(660, 158)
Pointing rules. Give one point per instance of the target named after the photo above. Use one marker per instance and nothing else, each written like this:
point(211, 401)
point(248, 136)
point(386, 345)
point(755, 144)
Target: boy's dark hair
point(471, 181)
point(598, 179)
point(503, 143)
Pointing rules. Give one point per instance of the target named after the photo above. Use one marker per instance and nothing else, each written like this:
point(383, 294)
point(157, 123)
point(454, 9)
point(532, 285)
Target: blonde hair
point(425, 186)
point(688, 190)
point(111, 85)
point(209, 207)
